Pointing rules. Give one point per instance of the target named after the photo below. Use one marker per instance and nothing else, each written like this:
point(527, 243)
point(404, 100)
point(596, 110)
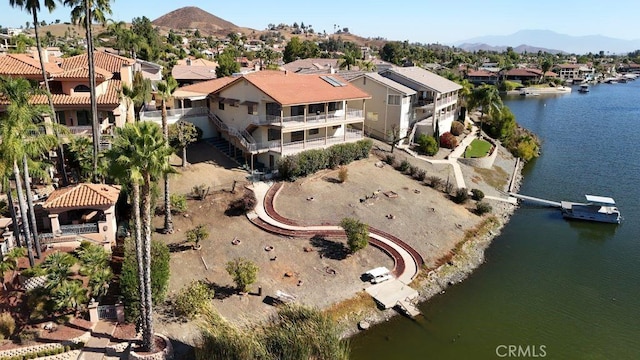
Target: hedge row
point(310, 161)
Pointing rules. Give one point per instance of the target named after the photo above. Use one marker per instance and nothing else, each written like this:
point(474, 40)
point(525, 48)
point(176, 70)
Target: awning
point(246, 102)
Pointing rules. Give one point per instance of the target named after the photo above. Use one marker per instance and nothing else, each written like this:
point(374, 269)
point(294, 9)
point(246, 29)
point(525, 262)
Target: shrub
point(448, 187)
point(197, 234)
point(194, 299)
point(527, 148)
point(242, 205)
point(7, 325)
point(412, 170)
point(199, 192)
point(343, 174)
point(244, 273)
point(178, 203)
point(483, 208)
point(427, 145)
point(28, 337)
point(434, 181)
point(357, 233)
point(447, 140)
point(477, 194)
point(420, 175)
point(390, 159)
point(403, 166)
point(461, 196)
point(457, 128)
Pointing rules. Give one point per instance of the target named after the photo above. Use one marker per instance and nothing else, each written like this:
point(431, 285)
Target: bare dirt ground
point(423, 217)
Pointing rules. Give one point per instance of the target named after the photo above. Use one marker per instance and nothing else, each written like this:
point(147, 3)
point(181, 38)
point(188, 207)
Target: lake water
point(558, 288)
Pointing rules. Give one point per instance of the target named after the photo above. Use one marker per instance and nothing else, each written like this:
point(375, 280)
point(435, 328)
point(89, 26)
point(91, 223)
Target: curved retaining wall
point(485, 162)
point(165, 354)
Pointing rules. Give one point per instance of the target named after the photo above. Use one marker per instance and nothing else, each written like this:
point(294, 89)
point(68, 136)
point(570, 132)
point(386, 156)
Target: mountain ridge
point(192, 17)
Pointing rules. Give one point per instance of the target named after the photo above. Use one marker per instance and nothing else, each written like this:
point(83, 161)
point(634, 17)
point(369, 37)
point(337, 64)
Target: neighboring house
point(269, 114)
point(629, 68)
point(81, 212)
point(190, 71)
point(69, 84)
point(574, 72)
point(436, 101)
point(479, 77)
point(526, 75)
point(312, 66)
point(390, 106)
point(149, 70)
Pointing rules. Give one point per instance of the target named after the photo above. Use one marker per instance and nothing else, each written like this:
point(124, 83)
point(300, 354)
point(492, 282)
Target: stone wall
point(33, 349)
point(166, 354)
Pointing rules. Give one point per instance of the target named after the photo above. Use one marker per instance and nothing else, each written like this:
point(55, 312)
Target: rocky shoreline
point(470, 255)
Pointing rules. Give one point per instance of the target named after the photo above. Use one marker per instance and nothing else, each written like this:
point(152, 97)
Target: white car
point(379, 275)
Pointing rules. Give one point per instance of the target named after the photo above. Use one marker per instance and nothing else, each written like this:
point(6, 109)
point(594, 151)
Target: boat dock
point(394, 293)
point(536, 200)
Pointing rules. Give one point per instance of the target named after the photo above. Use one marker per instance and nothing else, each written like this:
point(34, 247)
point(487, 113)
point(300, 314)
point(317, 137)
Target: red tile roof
point(204, 87)
point(83, 195)
point(482, 73)
point(110, 97)
point(24, 65)
point(294, 89)
point(83, 73)
point(110, 62)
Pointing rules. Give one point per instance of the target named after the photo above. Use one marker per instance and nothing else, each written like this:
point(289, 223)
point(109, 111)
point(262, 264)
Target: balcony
point(80, 130)
point(352, 135)
point(302, 120)
point(173, 115)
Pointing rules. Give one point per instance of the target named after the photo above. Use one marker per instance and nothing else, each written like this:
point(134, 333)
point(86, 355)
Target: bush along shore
point(452, 269)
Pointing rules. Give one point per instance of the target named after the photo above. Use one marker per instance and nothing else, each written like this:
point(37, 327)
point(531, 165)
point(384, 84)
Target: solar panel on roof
point(333, 81)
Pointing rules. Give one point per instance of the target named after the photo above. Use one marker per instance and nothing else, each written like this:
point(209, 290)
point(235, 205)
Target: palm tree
point(33, 7)
point(69, 295)
point(136, 95)
point(58, 266)
point(141, 152)
point(165, 90)
point(85, 12)
point(465, 92)
point(488, 98)
point(10, 262)
point(347, 60)
point(6, 184)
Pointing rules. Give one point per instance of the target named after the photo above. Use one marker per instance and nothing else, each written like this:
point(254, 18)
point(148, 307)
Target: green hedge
point(310, 161)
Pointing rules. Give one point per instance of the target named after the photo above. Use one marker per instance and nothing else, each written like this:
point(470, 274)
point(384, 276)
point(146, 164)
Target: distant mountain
point(553, 40)
point(192, 17)
point(519, 49)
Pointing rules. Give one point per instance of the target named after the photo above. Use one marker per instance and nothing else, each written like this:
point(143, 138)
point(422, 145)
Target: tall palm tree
point(165, 90)
point(136, 95)
point(22, 138)
point(488, 98)
point(347, 60)
point(140, 151)
point(85, 12)
point(33, 7)
point(6, 185)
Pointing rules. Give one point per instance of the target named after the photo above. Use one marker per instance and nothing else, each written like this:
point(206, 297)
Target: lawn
point(477, 148)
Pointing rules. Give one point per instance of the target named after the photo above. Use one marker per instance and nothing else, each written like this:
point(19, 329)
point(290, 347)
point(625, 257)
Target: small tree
point(427, 144)
point(343, 174)
point(194, 299)
point(244, 273)
point(197, 234)
point(181, 135)
point(357, 233)
point(178, 203)
point(461, 196)
point(482, 208)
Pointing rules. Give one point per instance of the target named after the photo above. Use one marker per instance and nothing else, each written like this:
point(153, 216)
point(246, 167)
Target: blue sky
point(425, 21)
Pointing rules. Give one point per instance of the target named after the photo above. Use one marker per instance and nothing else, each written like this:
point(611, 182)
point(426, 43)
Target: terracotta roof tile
point(83, 73)
point(83, 195)
point(110, 62)
point(293, 89)
point(23, 64)
point(110, 97)
point(204, 88)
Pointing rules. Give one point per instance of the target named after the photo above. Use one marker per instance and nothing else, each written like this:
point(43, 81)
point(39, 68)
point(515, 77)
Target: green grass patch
point(478, 148)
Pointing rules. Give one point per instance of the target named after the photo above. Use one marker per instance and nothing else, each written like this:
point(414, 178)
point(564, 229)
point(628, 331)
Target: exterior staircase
point(228, 149)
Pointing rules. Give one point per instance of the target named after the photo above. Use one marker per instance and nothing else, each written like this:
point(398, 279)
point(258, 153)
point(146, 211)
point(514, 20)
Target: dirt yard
point(423, 217)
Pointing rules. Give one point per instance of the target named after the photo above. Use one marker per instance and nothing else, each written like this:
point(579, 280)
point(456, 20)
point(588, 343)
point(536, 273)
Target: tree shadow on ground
point(179, 247)
point(222, 291)
point(329, 249)
point(331, 180)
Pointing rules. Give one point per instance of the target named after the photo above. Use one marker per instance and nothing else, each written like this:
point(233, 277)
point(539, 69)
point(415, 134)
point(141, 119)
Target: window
point(220, 105)
point(297, 110)
point(393, 100)
point(81, 88)
point(333, 106)
point(297, 136)
point(61, 119)
point(314, 131)
point(316, 109)
point(83, 117)
point(273, 134)
point(250, 109)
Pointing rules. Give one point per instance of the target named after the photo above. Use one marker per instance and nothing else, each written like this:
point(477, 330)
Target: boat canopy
point(600, 199)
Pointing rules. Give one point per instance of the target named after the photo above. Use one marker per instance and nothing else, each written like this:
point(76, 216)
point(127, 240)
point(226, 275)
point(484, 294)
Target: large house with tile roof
point(268, 114)
point(69, 84)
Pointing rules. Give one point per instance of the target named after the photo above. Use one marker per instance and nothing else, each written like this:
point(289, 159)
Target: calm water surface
point(572, 287)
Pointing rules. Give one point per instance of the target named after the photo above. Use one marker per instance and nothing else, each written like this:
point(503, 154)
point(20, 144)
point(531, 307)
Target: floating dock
point(395, 293)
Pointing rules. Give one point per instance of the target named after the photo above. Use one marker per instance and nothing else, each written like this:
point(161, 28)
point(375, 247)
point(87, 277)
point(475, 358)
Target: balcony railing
point(331, 117)
point(80, 130)
point(173, 115)
point(89, 228)
point(351, 135)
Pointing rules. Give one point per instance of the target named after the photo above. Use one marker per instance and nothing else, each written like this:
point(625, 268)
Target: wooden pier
point(536, 200)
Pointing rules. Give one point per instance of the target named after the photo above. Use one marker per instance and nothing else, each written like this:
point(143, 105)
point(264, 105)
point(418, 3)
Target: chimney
point(332, 70)
point(286, 72)
point(188, 62)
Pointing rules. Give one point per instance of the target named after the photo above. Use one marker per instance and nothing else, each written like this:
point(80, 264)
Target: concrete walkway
point(452, 159)
point(96, 347)
point(260, 189)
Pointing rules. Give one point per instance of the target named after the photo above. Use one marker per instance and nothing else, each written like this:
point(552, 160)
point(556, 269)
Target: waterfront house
point(390, 106)
point(268, 114)
point(574, 73)
point(81, 212)
point(435, 103)
point(479, 77)
point(69, 84)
